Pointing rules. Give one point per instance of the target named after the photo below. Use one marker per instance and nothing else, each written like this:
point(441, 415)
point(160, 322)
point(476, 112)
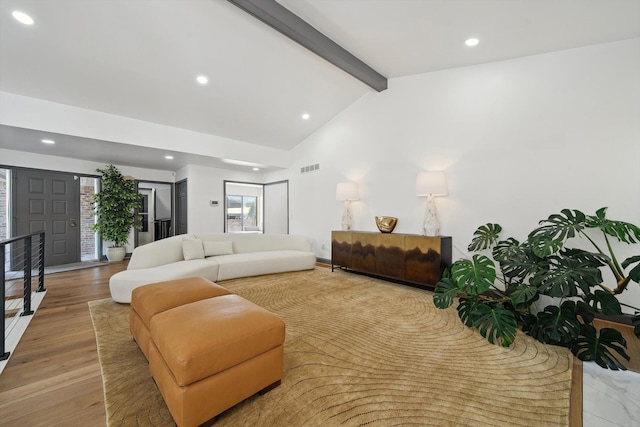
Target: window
point(248, 204)
point(242, 213)
point(89, 240)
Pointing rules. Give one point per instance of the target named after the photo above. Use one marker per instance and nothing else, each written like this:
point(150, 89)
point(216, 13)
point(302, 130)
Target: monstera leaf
point(549, 238)
point(506, 249)
point(445, 292)
point(623, 231)
point(583, 310)
point(598, 348)
point(474, 276)
point(496, 323)
point(605, 302)
point(544, 246)
point(555, 325)
point(466, 306)
point(484, 237)
point(522, 295)
point(565, 275)
point(634, 274)
point(516, 261)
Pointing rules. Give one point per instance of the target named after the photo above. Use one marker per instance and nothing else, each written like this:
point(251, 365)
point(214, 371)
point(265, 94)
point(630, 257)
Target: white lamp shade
point(431, 183)
point(346, 191)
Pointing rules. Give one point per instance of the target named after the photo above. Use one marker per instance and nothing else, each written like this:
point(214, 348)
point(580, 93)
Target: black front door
point(49, 201)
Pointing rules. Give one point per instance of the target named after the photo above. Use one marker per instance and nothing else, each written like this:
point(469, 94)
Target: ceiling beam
point(283, 20)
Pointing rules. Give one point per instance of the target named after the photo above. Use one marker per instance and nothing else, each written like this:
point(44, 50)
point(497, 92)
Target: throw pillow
point(217, 248)
point(192, 249)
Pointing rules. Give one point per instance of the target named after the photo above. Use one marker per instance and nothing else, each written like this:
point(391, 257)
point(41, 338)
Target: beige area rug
point(358, 351)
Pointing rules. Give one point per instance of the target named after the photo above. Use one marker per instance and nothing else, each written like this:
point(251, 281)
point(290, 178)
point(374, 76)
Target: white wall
point(518, 140)
point(276, 208)
point(206, 184)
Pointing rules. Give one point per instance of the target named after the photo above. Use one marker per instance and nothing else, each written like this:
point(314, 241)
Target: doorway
point(156, 213)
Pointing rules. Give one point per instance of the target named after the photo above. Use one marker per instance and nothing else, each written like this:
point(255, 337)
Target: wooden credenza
point(410, 258)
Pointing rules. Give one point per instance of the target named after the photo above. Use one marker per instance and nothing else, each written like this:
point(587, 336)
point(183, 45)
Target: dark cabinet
point(408, 258)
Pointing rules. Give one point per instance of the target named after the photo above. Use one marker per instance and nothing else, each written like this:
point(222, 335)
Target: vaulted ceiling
point(139, 59)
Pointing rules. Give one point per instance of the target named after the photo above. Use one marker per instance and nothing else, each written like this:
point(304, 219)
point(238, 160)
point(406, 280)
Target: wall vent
point(310, 168)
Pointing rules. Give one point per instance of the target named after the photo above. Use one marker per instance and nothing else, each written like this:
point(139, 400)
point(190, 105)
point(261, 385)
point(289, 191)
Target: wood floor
point(53, 377)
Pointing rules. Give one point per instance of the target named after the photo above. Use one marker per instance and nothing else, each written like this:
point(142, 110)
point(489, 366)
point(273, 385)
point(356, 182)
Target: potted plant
point(497, 301)
point(115, 206)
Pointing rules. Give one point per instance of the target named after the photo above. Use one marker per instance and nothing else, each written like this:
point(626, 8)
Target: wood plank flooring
point(53, 377)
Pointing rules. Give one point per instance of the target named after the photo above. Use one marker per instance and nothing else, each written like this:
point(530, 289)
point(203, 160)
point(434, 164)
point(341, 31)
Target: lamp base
point(430, 232)
point(430, 225)
point(347, 219)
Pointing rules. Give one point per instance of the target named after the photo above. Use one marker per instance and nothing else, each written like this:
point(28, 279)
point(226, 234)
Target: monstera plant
point(496, 294)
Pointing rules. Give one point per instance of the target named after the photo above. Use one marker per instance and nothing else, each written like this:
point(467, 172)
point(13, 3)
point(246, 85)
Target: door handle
point(73, 222)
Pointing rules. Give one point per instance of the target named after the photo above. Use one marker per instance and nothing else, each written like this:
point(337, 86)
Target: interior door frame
point(173, 205)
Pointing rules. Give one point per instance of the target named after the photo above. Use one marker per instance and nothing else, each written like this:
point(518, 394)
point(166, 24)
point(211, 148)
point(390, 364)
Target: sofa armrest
point(160, 252)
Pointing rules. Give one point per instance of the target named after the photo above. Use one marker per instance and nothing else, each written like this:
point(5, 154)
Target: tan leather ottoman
point(149, 300)
point(209, 355)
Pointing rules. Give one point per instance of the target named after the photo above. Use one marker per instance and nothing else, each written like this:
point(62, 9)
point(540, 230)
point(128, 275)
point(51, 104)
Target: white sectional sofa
point(212, 256)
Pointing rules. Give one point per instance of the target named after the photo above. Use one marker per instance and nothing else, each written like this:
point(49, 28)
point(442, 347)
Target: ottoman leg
point(268, 388)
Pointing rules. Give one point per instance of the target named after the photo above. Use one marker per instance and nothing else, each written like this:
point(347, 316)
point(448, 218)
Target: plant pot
point(116, 253)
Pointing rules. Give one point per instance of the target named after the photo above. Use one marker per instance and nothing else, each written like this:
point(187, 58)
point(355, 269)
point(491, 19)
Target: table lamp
point(346, 191)
point(431, 184)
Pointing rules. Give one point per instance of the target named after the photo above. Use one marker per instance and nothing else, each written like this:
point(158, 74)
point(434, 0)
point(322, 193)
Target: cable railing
point(22, 258)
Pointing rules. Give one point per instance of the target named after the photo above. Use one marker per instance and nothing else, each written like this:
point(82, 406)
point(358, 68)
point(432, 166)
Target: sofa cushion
point(123, 283)
point(250, 242)
point(217, 248)
point(257, 263)
point(192, 249)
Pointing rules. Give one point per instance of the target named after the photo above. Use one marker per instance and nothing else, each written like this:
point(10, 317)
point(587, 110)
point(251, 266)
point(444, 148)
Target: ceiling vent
point(310, 168)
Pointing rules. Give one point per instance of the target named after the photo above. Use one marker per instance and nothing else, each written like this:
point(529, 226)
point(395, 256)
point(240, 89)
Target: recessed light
point(306, 116)
point(48, 141)
point(22, 17)
point(168, 157)
point(256, 169)
point(241, 163)
point(203, 80)
point(471, 42)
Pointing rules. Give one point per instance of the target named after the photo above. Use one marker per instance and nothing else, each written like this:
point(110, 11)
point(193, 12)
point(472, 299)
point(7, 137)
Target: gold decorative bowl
point(386, 224)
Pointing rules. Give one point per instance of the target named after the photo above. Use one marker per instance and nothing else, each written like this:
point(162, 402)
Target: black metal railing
point(20, 257)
